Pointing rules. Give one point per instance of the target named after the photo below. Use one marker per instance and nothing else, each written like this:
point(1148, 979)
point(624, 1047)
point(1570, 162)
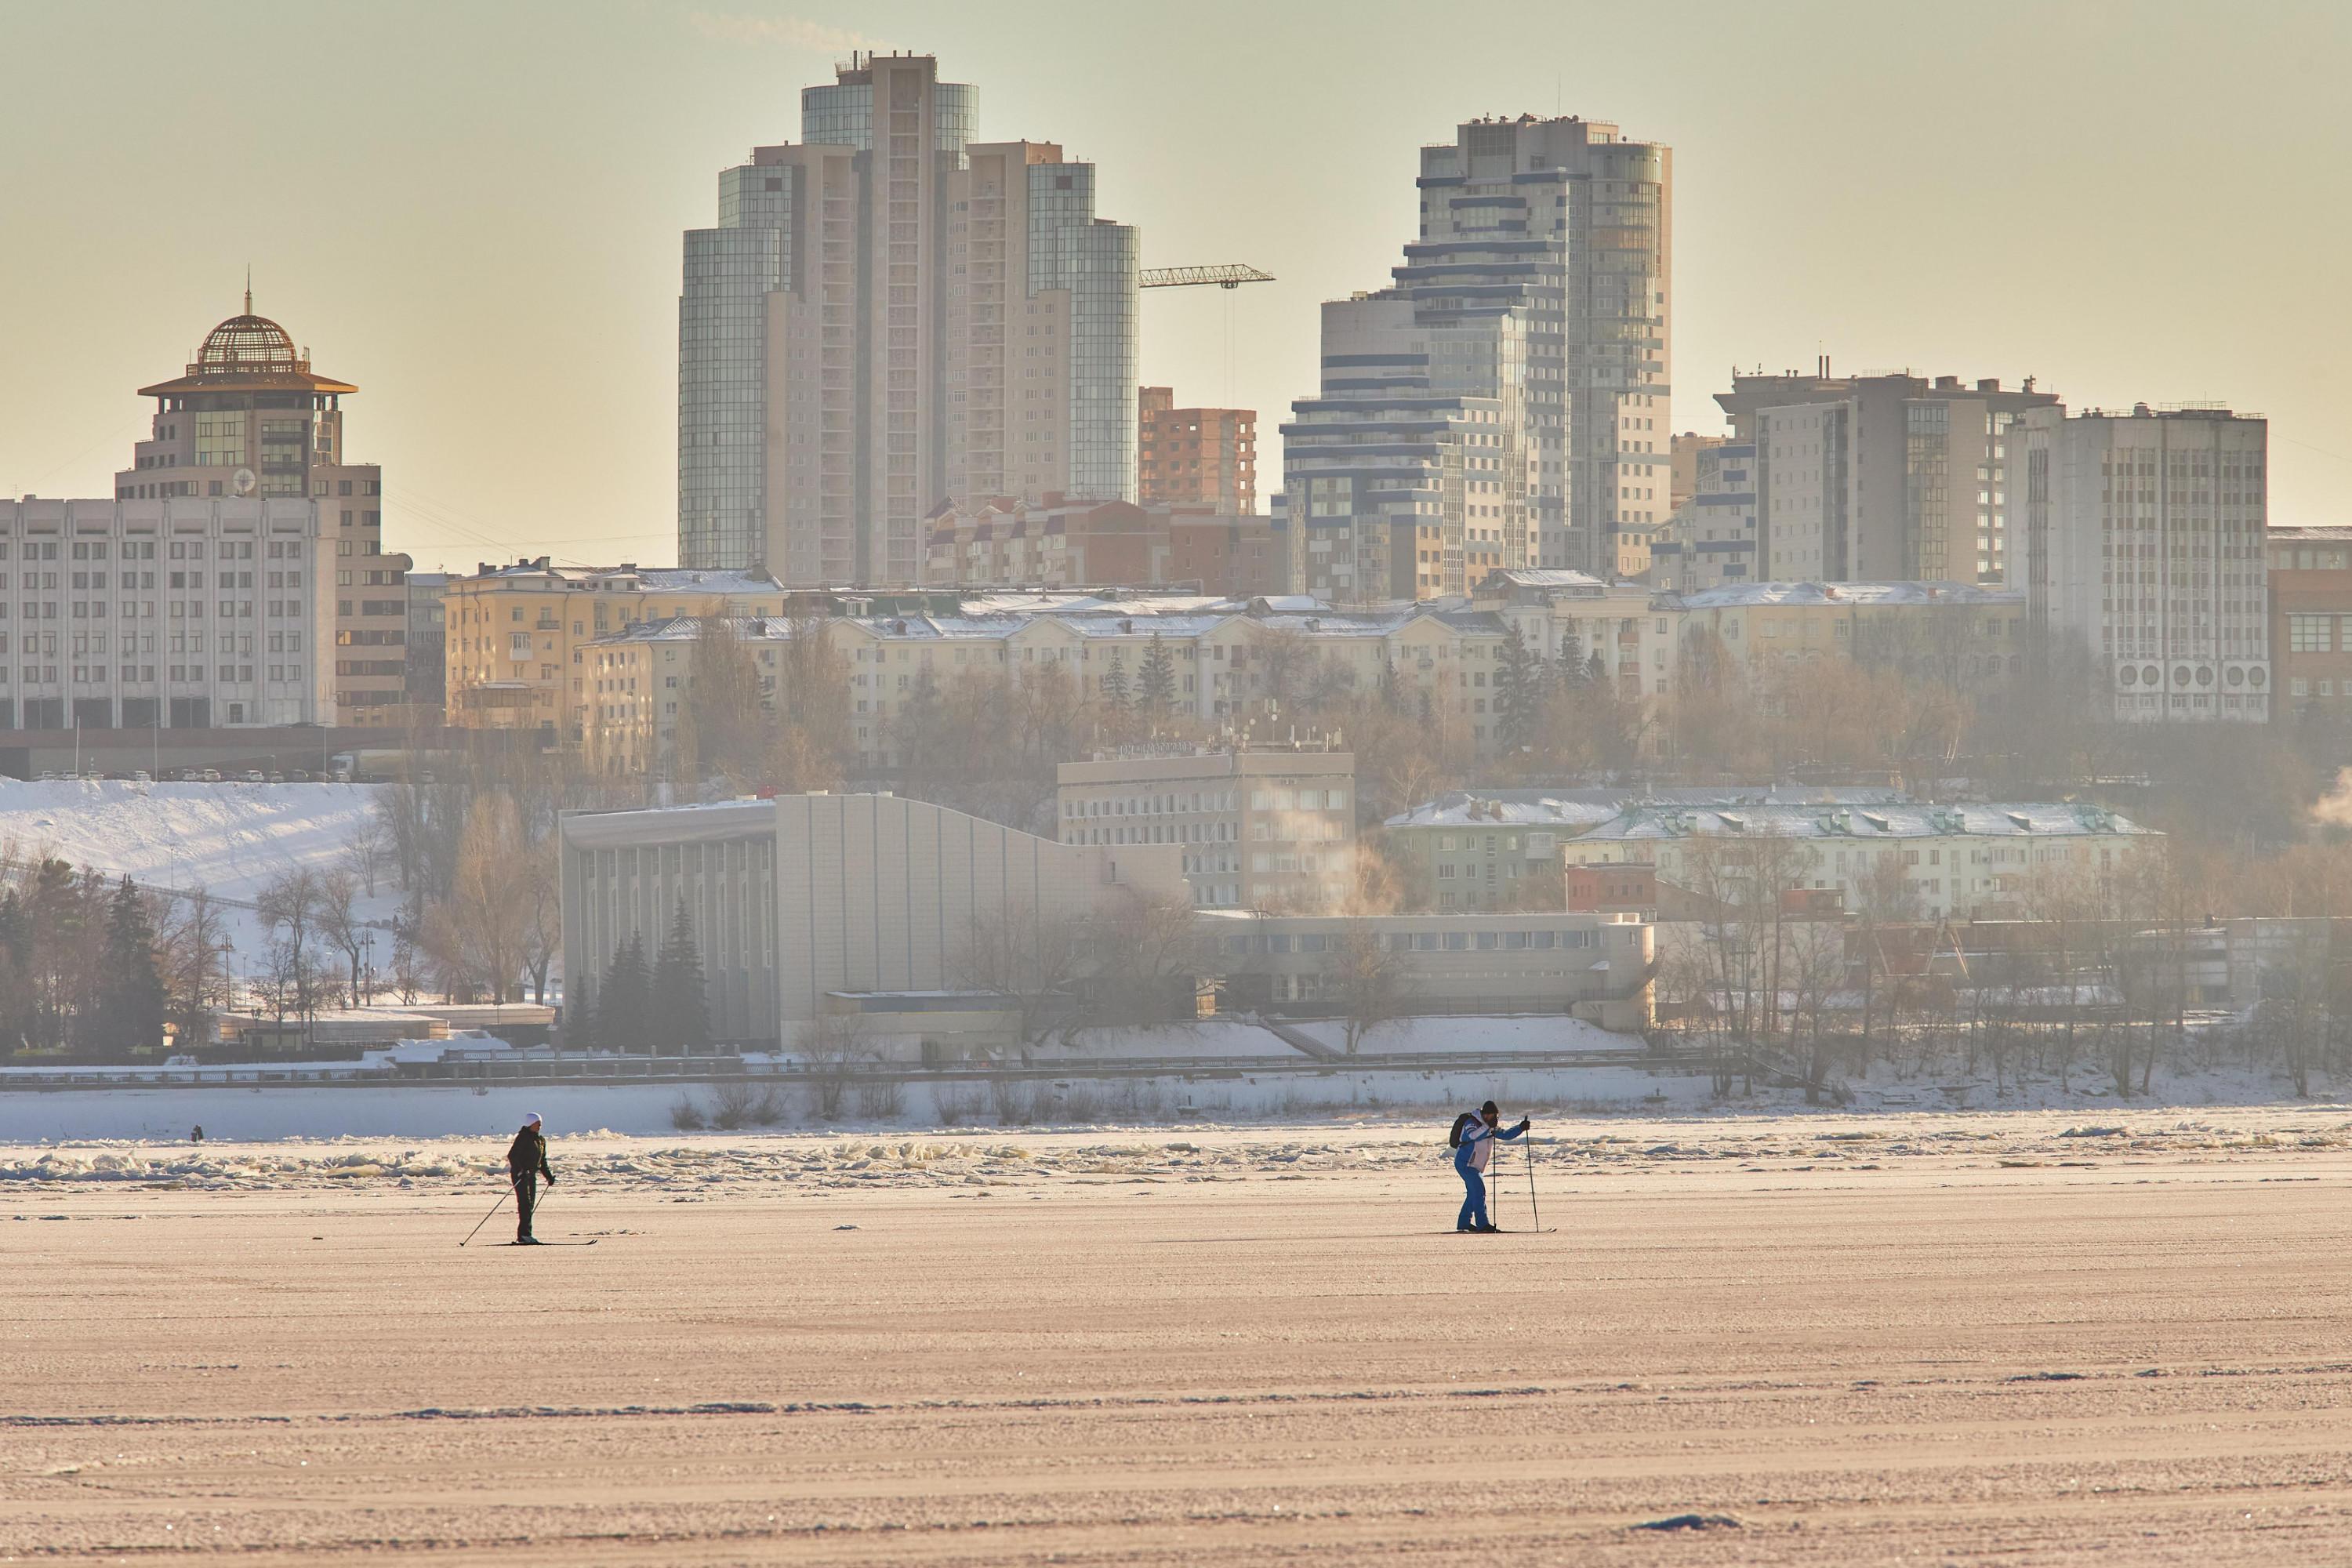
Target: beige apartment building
point(1257, 829)
point(249, 419)
point(1227, 659)
point(514, 634)
point(1951, 860)
point(1962, 633)
point(630, 685)
point(887, 315)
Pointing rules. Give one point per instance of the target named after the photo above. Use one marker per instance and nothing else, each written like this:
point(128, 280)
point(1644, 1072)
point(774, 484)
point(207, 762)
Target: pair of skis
point(501, 1204)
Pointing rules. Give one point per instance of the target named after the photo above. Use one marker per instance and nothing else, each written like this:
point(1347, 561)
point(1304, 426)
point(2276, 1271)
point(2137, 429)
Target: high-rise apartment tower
point(890, 316)
point(1572, 225)
point(2143, 537)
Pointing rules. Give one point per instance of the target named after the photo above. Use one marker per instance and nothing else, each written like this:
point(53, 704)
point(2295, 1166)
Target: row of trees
point(661, 1006)
point(2099, 972)
point(87, 967)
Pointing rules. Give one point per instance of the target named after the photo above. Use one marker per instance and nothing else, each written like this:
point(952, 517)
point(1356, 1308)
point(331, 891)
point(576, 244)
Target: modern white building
point(185, 613)
point(888, 315)
point(1571, 225)
point(796, 899)
point(2144, 538)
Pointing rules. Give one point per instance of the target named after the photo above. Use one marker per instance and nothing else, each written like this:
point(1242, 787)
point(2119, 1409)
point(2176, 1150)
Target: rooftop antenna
point(248, 287)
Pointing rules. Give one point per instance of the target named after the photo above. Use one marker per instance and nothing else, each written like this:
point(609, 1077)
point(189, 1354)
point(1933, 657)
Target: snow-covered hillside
point(227, 839)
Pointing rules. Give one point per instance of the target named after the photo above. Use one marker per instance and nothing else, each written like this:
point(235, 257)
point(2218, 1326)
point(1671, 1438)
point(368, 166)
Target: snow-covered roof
point(693, 580)
point(687, 628)
point(1551, 579)
point(2034, 819)
point(1106, 601)
point(1586, 806)
point(646, 579)
point(1462, 809)
point(1736, 596)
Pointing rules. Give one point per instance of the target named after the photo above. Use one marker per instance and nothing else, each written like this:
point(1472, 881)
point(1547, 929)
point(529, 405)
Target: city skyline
point(509, 429)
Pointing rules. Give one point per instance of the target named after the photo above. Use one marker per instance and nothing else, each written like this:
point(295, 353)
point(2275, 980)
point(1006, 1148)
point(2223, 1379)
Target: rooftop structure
point(251, 419)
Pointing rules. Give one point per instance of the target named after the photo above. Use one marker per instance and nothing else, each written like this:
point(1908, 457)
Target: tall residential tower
point(1572, 225)
point(2143, 539)
point(887, 317)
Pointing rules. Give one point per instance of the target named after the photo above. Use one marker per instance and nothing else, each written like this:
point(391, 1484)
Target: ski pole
point(1495, 1187)
point(485, 1218)
point(1533, 1207)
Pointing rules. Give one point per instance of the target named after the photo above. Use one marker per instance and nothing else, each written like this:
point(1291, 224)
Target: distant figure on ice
point(198, 1135)
point(526, 1163)
point(1474, 1133)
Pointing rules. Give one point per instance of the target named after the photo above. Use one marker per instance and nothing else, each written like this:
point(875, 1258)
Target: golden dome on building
point(246, 344)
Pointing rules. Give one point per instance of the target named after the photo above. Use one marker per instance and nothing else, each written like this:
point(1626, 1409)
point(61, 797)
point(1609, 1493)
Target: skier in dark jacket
point(526, 1164)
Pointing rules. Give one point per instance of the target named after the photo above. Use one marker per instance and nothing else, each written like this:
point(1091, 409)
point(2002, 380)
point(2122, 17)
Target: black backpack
point(1454, 1139)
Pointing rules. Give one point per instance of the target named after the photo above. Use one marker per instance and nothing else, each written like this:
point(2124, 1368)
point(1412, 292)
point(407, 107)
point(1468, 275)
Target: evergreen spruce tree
point(681, 1010)
point(1391, 694)
point(625, 999)
point(1155, 682)
point(1596, 669)
point(579, 1019)
point(1115, 695)
point(1518, 690)
point(16, 972)
point(130, 993)
point(1570, 662)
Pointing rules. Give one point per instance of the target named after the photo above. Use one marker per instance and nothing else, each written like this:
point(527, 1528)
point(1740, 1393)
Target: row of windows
point(1426, 941)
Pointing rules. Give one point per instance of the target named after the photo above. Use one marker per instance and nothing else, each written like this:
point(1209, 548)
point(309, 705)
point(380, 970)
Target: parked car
point(253, 775)
point(209, 775)
point(140, 776)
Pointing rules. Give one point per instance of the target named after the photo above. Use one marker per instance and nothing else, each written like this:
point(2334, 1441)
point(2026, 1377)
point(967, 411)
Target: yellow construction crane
point(1232, 277)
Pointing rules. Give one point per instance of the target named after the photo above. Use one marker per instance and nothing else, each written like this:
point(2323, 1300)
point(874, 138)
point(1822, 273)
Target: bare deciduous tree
point(1365, 976)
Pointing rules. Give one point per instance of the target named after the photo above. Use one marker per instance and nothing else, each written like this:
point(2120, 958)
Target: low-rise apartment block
point(513, 633)
point(1960, 633)
point(1907, 861)
point(1257, 829)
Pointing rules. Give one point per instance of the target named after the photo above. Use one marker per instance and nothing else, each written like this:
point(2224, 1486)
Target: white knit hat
point(531, 1120)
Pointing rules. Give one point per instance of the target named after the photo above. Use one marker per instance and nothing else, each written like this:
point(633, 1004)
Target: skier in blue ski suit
point(1470, 1156)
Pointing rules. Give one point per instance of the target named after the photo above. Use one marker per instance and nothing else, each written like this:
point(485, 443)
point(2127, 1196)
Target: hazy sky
point(473, 210)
